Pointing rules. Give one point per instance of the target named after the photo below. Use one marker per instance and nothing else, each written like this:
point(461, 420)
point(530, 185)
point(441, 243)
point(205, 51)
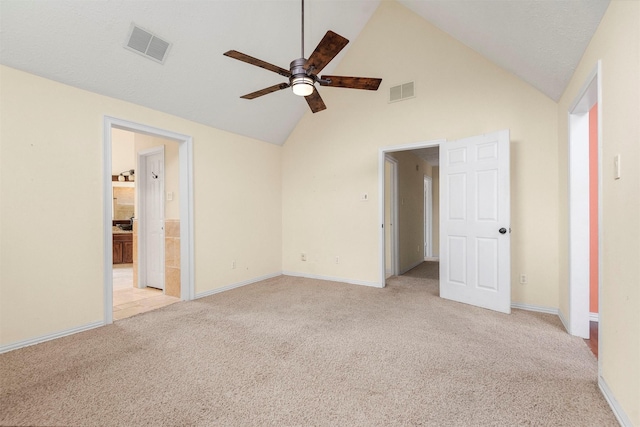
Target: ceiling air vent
point(403, 91)
point(147, 44)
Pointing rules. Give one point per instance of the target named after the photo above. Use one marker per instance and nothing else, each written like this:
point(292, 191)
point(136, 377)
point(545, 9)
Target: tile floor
point(129, 301)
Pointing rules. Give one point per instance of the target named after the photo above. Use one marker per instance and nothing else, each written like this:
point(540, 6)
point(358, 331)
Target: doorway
point(585, 208)
point(183, 229)
point(402, 239)
point(474, 221)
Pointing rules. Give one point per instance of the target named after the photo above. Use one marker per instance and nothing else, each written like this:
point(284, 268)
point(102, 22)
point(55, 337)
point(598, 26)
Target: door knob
point(502, 230)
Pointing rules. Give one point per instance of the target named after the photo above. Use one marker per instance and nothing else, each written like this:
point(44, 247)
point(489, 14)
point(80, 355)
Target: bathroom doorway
point(127, 292)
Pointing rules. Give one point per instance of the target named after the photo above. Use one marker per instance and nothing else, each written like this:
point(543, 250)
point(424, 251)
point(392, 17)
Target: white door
point(152, 219)
point(475, 261)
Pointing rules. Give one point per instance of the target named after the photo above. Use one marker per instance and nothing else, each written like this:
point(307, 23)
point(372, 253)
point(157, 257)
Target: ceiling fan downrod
point(302, 50)
point(301, 80)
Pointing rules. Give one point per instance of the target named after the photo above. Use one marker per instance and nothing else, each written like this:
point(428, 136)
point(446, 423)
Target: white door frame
point(578, 120)
point(142, 175)
point(394, 216)
point(428, 217)
point(382, 152)
point(187, 288)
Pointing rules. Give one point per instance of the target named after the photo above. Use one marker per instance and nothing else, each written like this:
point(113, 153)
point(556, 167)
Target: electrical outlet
point(303, 256)
point(233, 265)
point(364, 197)
point(337, 260)
point(523, 279)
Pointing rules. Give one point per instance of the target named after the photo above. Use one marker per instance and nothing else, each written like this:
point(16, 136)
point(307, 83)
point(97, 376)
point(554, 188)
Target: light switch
point(616, 167)
point(170, 196)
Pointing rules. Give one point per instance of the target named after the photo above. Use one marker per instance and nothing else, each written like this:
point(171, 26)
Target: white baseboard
point(237, 285)
point(431, 258)
point(622, 417)
point(331, 279)
point(49, 337)
point(537, 308)
point(594, 317)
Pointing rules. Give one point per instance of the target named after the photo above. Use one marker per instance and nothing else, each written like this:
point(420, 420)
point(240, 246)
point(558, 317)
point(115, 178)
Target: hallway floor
point(592, 342)
point(129, 301)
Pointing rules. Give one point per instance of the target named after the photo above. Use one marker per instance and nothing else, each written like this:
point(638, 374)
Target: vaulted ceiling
point(80, 43)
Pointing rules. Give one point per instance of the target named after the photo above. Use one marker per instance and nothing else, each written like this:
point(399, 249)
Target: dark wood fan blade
point(366, 83)
point(315, 102)
point(330, 45)
point(257, 62)
point(265, 91)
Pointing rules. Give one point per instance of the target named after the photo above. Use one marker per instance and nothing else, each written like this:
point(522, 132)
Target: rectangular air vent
point(147, 44)
point(400, 92)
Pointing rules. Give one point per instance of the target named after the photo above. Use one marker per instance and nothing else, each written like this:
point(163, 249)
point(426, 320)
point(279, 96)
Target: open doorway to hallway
point(411, 211)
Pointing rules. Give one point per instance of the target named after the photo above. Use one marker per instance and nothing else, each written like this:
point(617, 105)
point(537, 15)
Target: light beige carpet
point(291, 351)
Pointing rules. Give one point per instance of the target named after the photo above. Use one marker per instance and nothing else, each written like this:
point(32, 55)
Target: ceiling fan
point(303, 73)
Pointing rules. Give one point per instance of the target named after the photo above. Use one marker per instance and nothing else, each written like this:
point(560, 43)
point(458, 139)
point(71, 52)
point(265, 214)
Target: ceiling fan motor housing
point(300, 76)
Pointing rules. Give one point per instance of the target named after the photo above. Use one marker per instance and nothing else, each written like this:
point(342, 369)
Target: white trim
point(187, 266)
point(187, 285)
point(107, 220)
point(236, 285)
point(382, 152)
point(49, 337)
point(621, 416)
point(563, 319)
point(589, 94)
point(594, 317)
point(536, 308)
point(332, 279)
point(414, 265)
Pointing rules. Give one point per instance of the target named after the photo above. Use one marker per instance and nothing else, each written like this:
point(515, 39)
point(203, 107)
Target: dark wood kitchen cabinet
point(123, 248)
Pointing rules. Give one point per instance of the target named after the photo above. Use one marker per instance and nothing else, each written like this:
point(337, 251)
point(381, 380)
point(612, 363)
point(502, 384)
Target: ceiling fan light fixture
point(302, 85)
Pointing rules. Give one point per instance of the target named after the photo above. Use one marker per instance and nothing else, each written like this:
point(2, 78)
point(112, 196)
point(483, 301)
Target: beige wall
point(617, 44)
point(332, 156)
point(123, 156)
point(48, 129)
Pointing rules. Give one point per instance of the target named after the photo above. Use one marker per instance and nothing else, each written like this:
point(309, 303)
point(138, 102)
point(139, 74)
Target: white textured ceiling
point(80, 43)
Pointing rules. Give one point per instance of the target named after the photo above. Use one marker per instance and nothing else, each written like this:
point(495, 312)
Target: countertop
point(117, 230)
